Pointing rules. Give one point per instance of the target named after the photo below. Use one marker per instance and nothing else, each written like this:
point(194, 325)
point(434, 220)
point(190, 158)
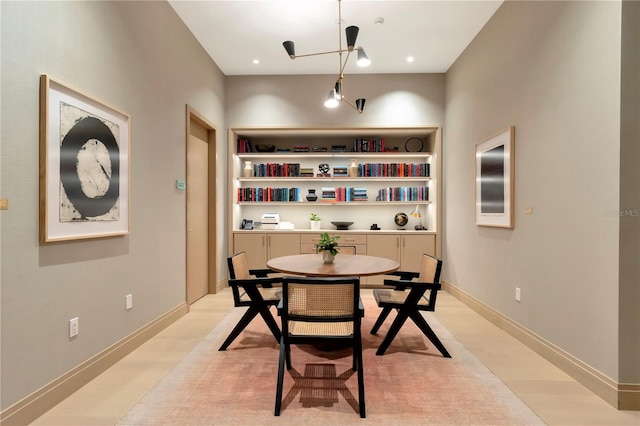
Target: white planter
point(327, 257)
point(316, 225)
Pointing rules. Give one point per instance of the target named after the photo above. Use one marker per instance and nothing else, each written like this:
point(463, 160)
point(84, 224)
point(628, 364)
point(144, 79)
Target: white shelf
point(306, 155)
point(329, 203)
point(320, 180)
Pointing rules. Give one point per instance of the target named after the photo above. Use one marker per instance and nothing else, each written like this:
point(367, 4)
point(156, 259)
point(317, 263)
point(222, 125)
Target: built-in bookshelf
point(366, 176)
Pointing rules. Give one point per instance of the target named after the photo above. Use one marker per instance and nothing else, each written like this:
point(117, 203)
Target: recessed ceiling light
point(256, 61)
point(409, 58)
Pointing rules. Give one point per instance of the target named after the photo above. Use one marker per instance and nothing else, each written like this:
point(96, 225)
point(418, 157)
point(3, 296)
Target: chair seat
point(268, 294)
point(334, 329)
point(397, 297)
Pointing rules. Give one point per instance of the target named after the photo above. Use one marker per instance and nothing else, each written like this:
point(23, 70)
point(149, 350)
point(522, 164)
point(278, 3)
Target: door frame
point(192, 114)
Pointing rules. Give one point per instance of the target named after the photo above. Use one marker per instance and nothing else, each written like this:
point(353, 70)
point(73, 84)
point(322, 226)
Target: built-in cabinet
point(261, 247)
point(362, 175)
point(405, 249)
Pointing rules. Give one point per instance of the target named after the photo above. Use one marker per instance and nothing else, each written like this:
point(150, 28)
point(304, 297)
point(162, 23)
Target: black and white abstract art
point(84, 148)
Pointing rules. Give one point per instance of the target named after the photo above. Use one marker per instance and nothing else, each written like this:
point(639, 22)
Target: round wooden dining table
point(344, 265)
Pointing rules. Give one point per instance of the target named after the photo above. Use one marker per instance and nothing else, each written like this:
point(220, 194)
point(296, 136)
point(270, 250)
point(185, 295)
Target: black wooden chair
point(317, 310)
point(252, 288)
point(409, 298)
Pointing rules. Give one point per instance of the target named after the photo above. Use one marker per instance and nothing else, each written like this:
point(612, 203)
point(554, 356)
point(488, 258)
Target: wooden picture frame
point(84, 166)
point(495, 180)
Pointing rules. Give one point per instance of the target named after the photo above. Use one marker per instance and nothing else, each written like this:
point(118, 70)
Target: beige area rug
point(412, 384)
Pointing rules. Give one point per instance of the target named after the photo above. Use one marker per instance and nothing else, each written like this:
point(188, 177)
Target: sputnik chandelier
point(336, 95)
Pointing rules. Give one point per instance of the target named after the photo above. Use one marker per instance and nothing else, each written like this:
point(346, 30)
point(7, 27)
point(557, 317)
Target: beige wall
point(139, 58)
point(298, 101)
point(551, 69)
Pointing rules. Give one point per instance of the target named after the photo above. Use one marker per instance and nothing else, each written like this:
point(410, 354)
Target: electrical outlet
point(74, 327)
point(128, 301)
point(517, 294)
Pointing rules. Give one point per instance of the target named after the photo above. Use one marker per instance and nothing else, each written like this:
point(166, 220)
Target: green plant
point(328, 243)
point(314, 217)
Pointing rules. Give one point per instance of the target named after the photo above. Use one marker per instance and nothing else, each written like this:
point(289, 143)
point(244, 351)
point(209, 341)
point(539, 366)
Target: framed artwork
point(84, 166)
point(494, 180)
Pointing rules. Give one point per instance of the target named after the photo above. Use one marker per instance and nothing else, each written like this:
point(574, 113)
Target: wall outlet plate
point(74, 327)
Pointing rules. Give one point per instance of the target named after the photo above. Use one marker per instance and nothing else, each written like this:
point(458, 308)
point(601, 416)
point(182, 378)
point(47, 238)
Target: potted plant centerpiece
point(315, 222)
point(327, 245)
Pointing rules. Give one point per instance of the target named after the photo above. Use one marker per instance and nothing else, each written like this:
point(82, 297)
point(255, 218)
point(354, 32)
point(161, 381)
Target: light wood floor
point(554, 396)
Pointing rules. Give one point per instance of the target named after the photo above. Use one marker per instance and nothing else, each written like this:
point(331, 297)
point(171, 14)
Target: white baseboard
point(33, 406)
point(623, 396)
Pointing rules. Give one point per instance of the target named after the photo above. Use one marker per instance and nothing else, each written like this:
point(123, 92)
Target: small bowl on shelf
point(342, 226)
point(265, 148)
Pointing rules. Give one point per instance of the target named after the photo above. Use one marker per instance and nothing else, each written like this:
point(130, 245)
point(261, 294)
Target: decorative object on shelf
point(336, 95)
point(324, 168)
point(416, 213)
point(316, 222)
point(342, 226)
point(414, 144)
point(265, 148)
point(353, 169)
point(374, 227)
point(248, 169)
point(401, 219)
point(312, 196)
point(494, 180)
point(327, 245)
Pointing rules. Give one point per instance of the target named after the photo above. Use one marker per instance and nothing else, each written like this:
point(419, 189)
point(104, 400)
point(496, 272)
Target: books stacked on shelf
point(301, 148)
point(394, 169)
point(319, 149)
point(306, 172)
point(244, 145)
point(420, 193)
point(344, 194)
point(338, 148)
point(340, 171)
point(328, 194)
point(360, 194)
point(268, 194)
point(368, 145)
point(276, 170)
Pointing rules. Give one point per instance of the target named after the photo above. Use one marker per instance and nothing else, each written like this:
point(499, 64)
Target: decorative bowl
point(342, 226)
point(265, 148)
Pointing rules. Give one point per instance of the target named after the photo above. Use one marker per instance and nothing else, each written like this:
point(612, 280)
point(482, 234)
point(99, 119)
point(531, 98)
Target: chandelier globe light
point(336, 94)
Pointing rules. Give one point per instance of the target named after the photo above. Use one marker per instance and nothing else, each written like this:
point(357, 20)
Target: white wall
point(141, 59)
point(552, 69)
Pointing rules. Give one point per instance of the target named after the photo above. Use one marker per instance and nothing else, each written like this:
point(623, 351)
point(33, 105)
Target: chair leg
point(287, 356)
point(271, 322)
point(248, 316)
point(422, 324)
point(383, 316)
point(280, 378)
point(360, 381)
point(396, 325)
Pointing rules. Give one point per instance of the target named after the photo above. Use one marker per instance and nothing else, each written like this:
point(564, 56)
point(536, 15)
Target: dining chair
point(343, 249)
point(409, 297)
point(320, 310)
point(252, 288)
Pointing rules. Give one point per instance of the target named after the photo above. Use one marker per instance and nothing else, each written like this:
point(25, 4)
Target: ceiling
point(235, 33)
